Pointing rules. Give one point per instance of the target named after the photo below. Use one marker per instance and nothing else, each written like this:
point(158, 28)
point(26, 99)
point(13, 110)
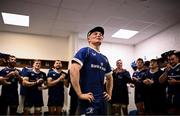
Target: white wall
point(163, 42)
point(34, 46)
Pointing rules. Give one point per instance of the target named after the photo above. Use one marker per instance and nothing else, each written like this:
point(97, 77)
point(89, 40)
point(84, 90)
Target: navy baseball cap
point(98, 29)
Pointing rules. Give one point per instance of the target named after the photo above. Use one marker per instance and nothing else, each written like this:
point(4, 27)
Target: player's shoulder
point(84, 49)
point(42, 72)
point(178, 65)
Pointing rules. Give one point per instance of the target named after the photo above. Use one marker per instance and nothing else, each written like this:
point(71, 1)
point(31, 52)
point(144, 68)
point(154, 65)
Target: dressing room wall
point(163, 42)
point(34, 46)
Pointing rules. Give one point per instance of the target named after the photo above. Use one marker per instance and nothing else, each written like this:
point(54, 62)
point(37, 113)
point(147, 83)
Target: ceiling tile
point(62, 17)
point(79, 5)
point(116, 22)
point(70, 15)
point(137, 25)
point(54, 3)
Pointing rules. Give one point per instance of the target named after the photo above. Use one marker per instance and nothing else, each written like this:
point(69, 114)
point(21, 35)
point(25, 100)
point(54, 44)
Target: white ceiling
point(63, 17)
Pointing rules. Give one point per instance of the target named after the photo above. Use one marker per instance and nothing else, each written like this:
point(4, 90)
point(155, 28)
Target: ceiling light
point(15, 19)
point(124, 34)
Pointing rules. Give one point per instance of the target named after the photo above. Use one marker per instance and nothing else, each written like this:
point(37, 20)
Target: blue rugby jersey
point(139, 85)
point(58, 89)
point(94, 68)
point(32, 78)
point(12, 89)
point(174, 73)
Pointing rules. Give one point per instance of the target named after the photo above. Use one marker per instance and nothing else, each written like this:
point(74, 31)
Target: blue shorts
point(139, 96)
point(56, 100)
point(33, 100)
point(177, 100)
point(97, 107)
point(10, 100)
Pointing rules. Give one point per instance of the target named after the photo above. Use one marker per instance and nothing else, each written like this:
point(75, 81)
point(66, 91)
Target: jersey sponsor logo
point(175, 76)
point(98, 67)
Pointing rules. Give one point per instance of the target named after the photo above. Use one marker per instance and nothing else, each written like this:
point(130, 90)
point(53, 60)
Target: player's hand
point(40, 81)
point(62, 77)
point(107, 97)
point(134, 79)
point(4, 81)
point(11, 74)
point(172, 81)
point(168, 67)
point(147, 81)
point(40, 88)
point(87, 96)
point(131, 85)
point(17, 75)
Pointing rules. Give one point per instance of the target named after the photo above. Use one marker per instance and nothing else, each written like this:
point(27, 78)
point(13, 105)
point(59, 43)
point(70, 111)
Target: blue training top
point(95, 67)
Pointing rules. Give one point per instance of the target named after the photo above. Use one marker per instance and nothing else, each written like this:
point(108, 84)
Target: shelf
point(20, 62)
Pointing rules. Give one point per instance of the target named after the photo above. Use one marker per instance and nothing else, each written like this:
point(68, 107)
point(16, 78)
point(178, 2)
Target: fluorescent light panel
point(15, 19)
point(124, 34)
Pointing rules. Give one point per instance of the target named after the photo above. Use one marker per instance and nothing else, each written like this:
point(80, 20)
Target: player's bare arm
point(75, 77)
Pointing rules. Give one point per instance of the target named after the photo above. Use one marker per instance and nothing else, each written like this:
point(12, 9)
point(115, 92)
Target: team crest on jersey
point(7, 71)
point(41, 75)
point(32, 74)
point(172, 73)
point(54, 74)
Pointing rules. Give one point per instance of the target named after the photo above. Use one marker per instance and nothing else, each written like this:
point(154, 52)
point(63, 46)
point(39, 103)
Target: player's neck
point(140, 69)
point(153, 69)
point(11, 66)
point(36, 70)
point(97, 48)
point(58, 70)
point(119, 69)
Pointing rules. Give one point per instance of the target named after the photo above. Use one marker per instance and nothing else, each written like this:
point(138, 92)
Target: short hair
point(11, 56)
point(118, 60)
point(155, 60)
point(147, 63)
point(173, 53)
point(36, 60)
point(140, 59)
